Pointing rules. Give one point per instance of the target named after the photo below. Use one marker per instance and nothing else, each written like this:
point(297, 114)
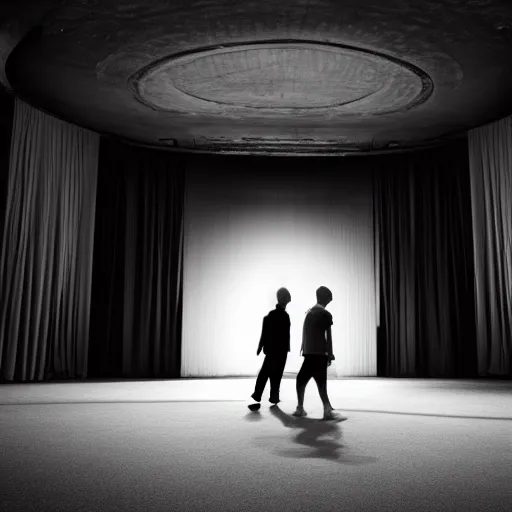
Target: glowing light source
point(249, 233)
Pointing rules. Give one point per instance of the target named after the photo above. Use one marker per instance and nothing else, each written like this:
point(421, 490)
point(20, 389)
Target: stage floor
point(192, 445)
point(432, 397)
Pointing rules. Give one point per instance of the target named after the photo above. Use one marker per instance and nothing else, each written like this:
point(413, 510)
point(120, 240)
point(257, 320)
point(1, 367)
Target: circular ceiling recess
point(282, 77)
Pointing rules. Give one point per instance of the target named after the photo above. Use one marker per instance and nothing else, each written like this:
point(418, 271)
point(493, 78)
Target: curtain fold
point(426, 265)
point(46, 259)
point(138, 258)
point(490, 156)
point(6, 125)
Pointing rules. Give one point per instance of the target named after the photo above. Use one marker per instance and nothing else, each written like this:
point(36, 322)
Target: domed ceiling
point(294, 76)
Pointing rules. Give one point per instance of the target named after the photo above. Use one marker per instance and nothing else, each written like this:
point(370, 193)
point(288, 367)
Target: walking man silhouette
point(318, 354)
point(275, 343)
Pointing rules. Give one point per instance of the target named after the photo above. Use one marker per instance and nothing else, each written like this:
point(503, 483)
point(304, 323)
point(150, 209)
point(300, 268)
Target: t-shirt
point(275, 334)
point(314, 332)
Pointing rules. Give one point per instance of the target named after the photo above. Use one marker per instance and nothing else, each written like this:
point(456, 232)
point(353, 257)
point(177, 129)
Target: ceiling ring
point(375, 83)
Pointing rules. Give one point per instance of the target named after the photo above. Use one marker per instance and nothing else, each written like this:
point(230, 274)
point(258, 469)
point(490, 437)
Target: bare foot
point(300, 412)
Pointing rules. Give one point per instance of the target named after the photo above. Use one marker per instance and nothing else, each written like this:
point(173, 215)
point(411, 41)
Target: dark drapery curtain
point(6, 122)
point(137, 285)
point(425, 257)
point(46, 256)
point(490, 156)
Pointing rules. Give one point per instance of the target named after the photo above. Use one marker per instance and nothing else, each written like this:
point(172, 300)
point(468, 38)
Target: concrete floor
point(408, 444)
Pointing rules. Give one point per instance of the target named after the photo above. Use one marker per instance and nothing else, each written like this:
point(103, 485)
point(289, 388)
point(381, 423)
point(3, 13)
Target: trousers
point(272, 368)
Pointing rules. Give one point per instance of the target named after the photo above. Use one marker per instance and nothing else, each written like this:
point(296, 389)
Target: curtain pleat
point(46, 259)
point(490, 154)
point(129, 282)
point(424, 241)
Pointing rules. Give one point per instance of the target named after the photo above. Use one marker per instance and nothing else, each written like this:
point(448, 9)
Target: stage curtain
point(253, 225)
point(136, 310)
point(6, 123)
point(426, 266)
point(47, 245)
point(490, 156)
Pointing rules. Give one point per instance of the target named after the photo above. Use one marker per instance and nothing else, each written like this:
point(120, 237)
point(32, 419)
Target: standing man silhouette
point(318, 354)
point(275, 343)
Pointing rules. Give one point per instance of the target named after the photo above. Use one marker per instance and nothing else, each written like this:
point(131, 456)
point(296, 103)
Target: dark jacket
point(275, 333)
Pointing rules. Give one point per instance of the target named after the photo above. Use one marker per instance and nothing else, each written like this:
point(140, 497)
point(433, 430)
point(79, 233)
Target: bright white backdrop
point(249, 232)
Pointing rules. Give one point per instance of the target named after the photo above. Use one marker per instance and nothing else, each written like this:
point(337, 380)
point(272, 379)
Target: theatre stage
point(192, 445)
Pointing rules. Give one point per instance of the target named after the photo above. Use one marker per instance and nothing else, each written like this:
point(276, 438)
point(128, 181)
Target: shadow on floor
point(317, 439)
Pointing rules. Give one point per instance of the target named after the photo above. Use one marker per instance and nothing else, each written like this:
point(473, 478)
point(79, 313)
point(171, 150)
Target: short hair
point(283, 292)
point(323, 292)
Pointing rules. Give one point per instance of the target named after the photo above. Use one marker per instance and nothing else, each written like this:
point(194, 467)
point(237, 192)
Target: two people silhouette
point(316, 349)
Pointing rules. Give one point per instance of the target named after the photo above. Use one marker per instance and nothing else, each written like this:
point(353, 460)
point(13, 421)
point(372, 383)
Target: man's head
point(283, 297)
point(323, 295)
